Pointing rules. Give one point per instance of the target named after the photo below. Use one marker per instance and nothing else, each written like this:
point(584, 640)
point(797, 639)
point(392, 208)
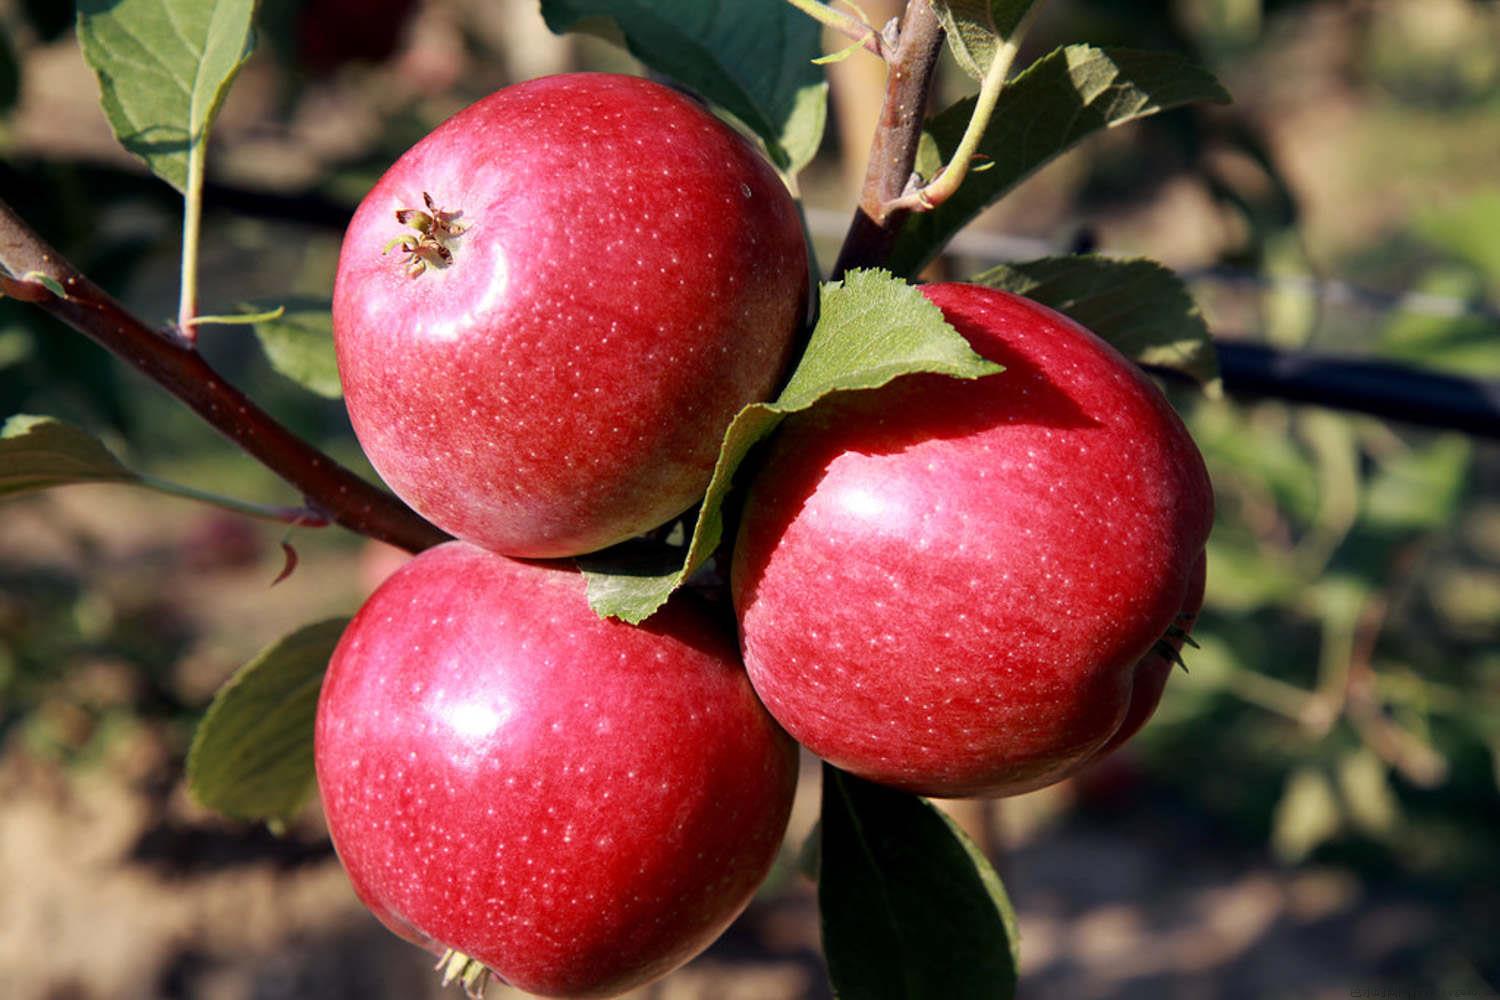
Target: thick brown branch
point(893, 151)
point(173, 363)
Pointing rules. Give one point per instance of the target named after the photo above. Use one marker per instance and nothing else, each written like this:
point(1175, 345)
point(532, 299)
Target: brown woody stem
point(893, 152)
point(174, 363)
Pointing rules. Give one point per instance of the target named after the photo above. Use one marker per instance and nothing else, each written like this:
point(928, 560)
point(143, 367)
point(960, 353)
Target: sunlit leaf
point(164, 67)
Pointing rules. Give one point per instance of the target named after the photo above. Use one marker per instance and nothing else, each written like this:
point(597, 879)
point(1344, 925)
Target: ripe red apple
point(947, 586)
point(547, 311)
point(578, 804)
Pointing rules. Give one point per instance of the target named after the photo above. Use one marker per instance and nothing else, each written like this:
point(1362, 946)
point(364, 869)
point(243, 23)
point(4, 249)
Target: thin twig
point(893, 152)
point(173, 363)
point(855, 28)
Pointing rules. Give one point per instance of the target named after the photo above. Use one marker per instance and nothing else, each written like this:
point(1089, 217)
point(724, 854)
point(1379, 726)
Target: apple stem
point(893, 151)
point(169, 359)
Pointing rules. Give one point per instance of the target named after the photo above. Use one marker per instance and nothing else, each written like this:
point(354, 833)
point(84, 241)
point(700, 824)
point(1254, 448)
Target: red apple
point(589, 276)
point(578, 804)
point(947, 586)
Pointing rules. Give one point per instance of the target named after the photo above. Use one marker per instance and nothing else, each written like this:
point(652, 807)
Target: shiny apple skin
point(579, 804)
point(633, 272)
point(947, 586)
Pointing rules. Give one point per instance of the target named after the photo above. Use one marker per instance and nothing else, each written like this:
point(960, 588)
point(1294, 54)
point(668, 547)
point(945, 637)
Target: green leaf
point(37, 453)
point(976, 28)
point(871, 328)
point(1061, 99)
point(164, 67)
point(252, 756)
point(1139, 306)
point(910, 907)
point(753, 58)
point(299, 344)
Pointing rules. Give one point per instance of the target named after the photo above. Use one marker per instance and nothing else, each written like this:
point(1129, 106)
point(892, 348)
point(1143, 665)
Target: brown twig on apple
point(893, 152)
point(175, 364)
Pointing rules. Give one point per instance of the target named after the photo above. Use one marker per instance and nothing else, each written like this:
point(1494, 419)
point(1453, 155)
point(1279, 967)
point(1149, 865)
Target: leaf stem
point(946, 181)
point(173, 362)
point(852, 27)
point(306, 517)
point(192, 222)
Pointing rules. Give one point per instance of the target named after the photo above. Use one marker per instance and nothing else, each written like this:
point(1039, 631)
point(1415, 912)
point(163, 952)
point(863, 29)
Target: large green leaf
point(910, 907)
point(977, 28)
point(1061, 99)
point(871, 328)
point(753, 58)
point(299, 344)
point(252, 757)
point(164, 67)
point(1139, 306)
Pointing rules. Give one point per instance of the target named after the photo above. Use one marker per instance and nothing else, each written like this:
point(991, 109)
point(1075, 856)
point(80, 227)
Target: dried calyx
point(427, 246)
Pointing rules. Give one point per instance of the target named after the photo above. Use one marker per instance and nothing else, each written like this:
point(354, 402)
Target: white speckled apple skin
point(633, 273)
point(580, 804)
point(946, 586)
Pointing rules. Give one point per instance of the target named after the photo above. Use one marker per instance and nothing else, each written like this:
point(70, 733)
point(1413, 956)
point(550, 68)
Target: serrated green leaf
point(1059, 100)
point(299, 344)
point(976, 28)
point(164, 67)
point(252, 756)
point(1139, 306)
point(37, 453)
point(753, 58)
point(910, 907)
point(871, 328)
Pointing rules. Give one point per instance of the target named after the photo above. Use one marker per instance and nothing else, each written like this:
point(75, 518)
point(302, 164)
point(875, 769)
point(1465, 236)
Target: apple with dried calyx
point(575, 804)
point(948, 586)
point(548, 310)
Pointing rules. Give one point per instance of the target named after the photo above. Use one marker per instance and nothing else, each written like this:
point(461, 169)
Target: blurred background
point(1314, 810)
